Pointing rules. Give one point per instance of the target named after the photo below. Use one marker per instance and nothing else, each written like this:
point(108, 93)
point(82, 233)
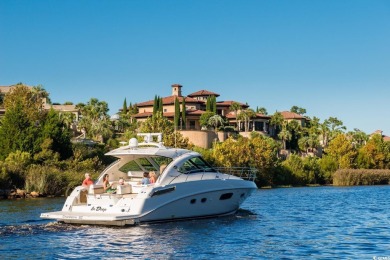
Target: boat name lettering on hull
point(98, 209)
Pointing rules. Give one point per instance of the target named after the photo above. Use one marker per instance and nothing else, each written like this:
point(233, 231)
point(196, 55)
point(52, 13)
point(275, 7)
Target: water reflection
point(294, 223)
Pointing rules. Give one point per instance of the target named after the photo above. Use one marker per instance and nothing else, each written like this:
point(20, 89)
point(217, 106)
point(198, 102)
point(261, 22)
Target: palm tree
point(67, 118)
point(215, 121)
point(276, 122)
point(247, 115)
point(330, 129)
point(40, 95)
point(262, 110)
point(285, 135)
point(235, 107)
point(95, 119)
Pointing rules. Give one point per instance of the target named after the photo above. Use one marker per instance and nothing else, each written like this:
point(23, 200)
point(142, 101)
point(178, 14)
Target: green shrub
point(46, 180)
point(350, 177)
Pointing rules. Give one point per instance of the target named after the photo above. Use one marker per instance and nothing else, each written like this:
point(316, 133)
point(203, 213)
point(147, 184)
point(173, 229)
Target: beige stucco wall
point(201, 138)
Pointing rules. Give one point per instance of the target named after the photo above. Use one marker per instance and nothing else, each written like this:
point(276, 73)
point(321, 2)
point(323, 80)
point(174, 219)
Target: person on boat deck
point(121, 181)
point(87, 181)
point(106, 185)
point(152, 178)
point(145, 179)
point(162, 167)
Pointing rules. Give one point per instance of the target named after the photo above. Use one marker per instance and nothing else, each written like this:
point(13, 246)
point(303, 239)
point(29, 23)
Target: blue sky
point(330, 57)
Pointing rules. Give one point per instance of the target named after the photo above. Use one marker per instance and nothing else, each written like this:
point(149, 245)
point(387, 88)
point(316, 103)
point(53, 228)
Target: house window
point(192, 124)
point(259, 126)
point(165, 110)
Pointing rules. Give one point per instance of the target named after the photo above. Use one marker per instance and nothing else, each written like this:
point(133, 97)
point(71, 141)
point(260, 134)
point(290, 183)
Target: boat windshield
point(196, 164)
point(145, 164)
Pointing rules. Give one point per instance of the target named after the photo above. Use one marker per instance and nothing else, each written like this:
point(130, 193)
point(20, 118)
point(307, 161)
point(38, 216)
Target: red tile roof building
point(195, 107)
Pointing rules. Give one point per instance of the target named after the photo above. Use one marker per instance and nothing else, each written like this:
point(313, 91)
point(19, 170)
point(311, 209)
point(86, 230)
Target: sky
point(330, 57)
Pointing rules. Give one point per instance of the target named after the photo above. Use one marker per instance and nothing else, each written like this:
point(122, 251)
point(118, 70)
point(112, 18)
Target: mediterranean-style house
point(195, 105)
point(60, 108)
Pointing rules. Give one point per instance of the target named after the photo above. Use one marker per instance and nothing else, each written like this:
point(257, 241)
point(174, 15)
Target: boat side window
point(202, 164)
point(146, 164)
point(130, 166)
point(188, 167)
point(196, 164)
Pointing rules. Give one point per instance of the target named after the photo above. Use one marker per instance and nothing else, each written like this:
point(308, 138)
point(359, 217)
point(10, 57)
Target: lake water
point(290, 223)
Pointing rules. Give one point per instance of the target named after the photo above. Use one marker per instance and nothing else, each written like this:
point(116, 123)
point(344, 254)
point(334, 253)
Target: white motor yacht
point(187, 187)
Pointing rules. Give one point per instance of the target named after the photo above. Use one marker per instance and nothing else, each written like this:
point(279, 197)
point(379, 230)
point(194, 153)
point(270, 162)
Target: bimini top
point(147, 148)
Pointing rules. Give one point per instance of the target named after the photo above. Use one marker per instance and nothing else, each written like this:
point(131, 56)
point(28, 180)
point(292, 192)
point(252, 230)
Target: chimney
point(176, 90)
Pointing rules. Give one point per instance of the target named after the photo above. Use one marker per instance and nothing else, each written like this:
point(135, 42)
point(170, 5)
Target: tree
point(133, 109)
point(54, 129)
point(215, 121)
point(284, 135)
point(235, 107)
point(204, 118)
point(183, 114)
point(359, 138)
point(375, 154)
point(95, 119)
point(276, 122)
point(331, 128)
point(160, 105)
point(208, 104)
point(342, 150)
point(296, 130)
point(246, 115)
point(25, 126)
point(214, 104)
point(159, 124)
point(298, 110)
point(30, 103)
point(17, 132)
point(39, 94)
point(260, 152)
point(124, 108)
point(155, 104)
point(67, 118)
point(262, 110)
point(177, 113)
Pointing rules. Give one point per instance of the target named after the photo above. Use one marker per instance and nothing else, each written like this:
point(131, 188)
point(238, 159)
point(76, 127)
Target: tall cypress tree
point(183, 113)
point(177, 113)
point(155, 105)
point(214, 104)
point(124, 109)
point(208, 107)
point(160, 105)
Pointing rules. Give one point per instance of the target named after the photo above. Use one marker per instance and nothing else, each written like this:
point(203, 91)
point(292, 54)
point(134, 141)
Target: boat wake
point(33, 229)
point(244, 213)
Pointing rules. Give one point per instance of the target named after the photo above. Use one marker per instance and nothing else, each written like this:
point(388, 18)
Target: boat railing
point(245, 173)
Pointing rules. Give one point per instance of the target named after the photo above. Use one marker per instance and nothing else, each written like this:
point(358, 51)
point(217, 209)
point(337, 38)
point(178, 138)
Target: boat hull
point(169, 203)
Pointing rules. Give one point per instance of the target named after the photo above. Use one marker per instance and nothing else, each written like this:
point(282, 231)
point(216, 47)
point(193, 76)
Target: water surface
point(291, 223)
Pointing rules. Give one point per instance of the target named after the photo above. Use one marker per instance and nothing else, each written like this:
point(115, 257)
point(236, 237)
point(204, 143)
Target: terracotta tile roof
point(292, 115)
point(379, 132)
point(169, 114)
point(386, 138)
point(143, 115)
point(195, 112)
point(169, 101)
point(232, 115)
point(6, 89)
point(203, 93)
point(63, 108)
point(230, 102)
